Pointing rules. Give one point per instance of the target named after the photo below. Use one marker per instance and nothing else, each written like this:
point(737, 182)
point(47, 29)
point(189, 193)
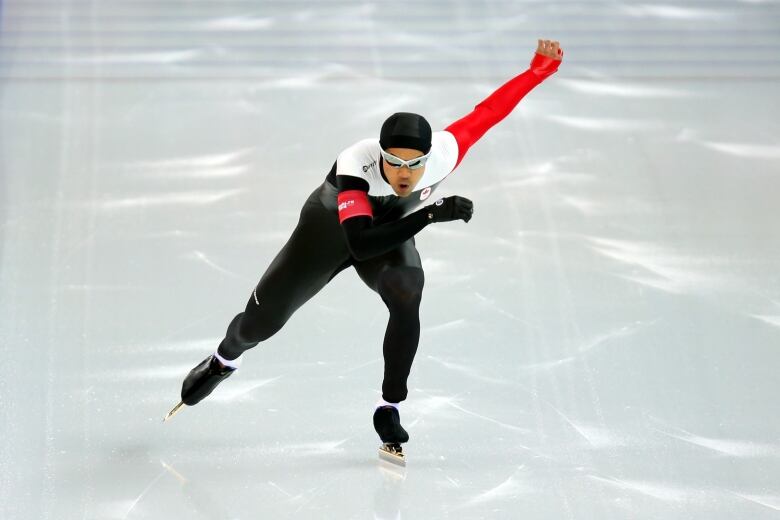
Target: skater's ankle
point(228, 363)
point(382, 402)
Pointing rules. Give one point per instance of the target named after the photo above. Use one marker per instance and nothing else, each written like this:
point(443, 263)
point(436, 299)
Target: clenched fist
point(550, 48)
point(450, 208)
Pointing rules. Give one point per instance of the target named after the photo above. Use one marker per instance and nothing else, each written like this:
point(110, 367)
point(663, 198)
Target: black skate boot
point(203, 379)
point(200, 382)
point(387, 423)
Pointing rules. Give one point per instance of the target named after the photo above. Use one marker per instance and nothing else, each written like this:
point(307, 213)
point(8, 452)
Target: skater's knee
point(401, 286)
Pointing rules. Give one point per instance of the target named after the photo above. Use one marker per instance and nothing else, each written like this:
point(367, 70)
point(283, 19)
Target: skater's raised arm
point(469, 129)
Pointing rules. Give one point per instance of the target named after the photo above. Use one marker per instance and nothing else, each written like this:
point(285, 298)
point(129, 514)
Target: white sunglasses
point(397, 162)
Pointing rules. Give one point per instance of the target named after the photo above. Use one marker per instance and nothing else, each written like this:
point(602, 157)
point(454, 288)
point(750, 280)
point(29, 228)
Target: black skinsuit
point(315, 253)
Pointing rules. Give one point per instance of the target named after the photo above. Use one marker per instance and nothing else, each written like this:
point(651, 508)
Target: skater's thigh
point(405, 255)
point(315, 252)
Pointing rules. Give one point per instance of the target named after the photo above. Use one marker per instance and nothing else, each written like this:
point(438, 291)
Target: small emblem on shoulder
point(425, 193)
point(367, 166)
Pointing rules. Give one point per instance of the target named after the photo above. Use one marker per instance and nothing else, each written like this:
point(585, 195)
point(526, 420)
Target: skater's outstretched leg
point(313, 255)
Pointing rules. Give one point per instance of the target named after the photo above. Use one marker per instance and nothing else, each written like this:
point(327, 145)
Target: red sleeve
point(354, 203)
point(469, 129)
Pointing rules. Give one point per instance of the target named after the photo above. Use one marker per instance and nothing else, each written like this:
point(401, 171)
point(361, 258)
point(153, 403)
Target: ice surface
point(601, 341)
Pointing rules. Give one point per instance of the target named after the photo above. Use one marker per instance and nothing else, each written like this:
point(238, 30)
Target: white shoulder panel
point(362, 160)
point(444, 155)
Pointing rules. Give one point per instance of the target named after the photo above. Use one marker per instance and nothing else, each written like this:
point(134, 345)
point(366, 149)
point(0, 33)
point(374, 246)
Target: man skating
point(364, 216)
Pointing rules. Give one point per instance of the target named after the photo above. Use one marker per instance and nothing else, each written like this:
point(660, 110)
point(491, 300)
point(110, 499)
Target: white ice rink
point(602, 341)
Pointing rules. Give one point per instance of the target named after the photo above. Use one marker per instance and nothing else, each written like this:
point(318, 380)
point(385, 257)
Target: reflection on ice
point(606, 124)
point(201, 166)
point(673, 12)
point(772, 320)
point(191, 198)
point(770, 501)
point(197, 161)
point(748, 150)
point(587, 207)
point(665, 270)
point(236, 23)
point(625, 90)
point(136, 58)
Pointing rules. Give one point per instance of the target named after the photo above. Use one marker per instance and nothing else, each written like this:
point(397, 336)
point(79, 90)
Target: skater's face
point(402, 178)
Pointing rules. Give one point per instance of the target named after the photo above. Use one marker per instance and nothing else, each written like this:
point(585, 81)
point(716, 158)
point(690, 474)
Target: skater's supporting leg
point(401, 290)
point(398, 278)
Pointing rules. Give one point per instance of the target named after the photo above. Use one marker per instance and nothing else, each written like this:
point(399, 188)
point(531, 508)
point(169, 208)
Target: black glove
point(450, 208)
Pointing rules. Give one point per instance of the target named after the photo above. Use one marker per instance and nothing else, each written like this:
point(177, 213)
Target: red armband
point(354, 203)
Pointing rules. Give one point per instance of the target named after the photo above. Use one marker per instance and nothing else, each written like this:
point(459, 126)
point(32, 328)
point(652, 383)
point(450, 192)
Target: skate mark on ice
point(146, 490)
point(596, 436)
point(453, 481)
point(226, 393)
point(308, 449)
point(509, 488)
point(278, 488)
point(650, 489)
point(450, 325)
point(667, 270)
point(198, 255)
point(468, 371)
point(181, 478)
point(433, 403)
point(158, 372)
point(597, 341)
point(733, 448)
point(492, 304)
point(768, 501)
point(362, 365)
point(493, 421)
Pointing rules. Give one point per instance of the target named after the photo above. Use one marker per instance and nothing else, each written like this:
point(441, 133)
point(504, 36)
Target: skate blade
point(175, 410)
point(392, 453)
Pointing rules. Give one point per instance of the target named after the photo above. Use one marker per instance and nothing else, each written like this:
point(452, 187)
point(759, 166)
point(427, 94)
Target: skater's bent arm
point(367, 241)
point(469, 129)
